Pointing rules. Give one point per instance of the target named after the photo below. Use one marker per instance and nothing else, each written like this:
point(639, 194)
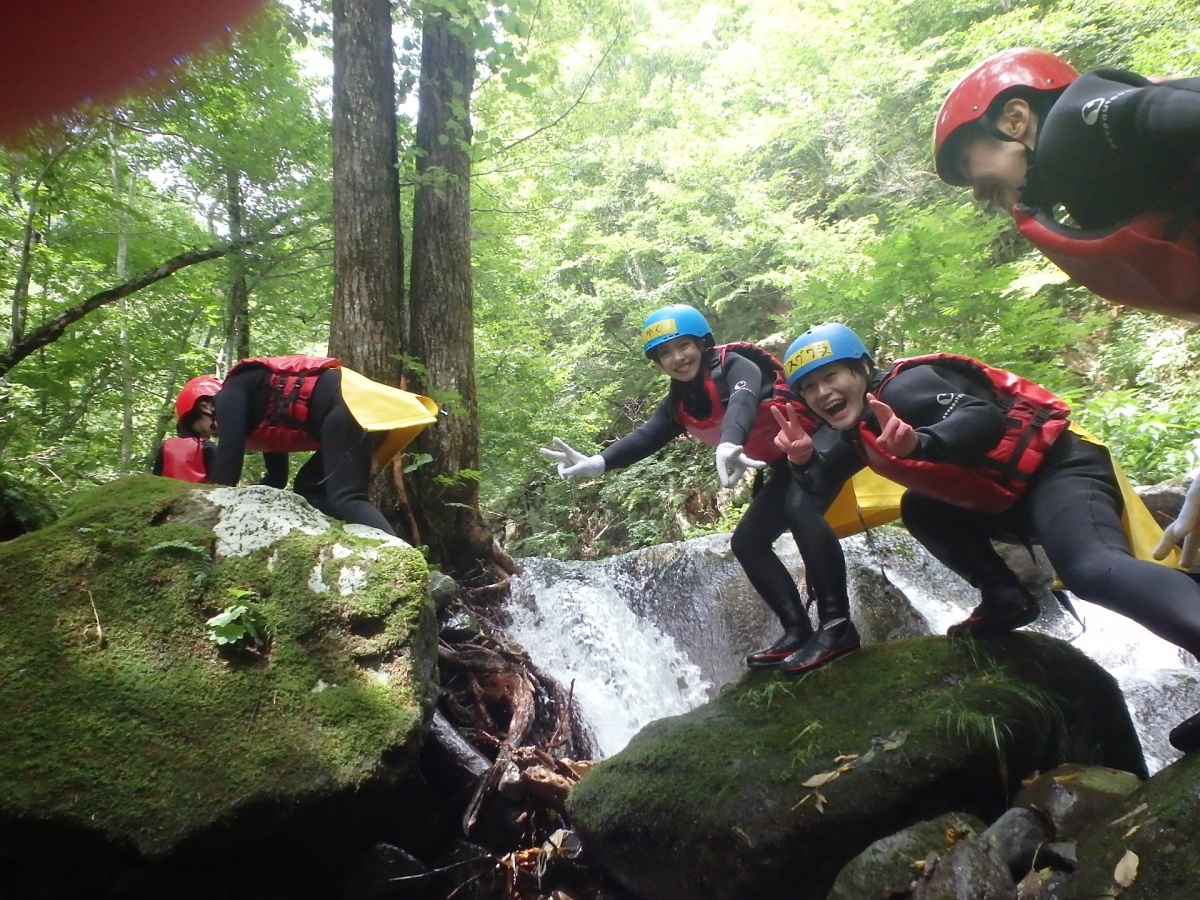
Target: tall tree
point(446, 491)
point(366, 329)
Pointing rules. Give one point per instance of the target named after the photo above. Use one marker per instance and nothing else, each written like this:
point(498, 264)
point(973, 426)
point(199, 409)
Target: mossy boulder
point(123, 723)
point(1145, 847)
point(773, 787)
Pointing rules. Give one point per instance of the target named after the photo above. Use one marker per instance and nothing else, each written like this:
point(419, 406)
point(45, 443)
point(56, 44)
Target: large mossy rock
point(123, 724)
point(1145, 848)
point(774, 786)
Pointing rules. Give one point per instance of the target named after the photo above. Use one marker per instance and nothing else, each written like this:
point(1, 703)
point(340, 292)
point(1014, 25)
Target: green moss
point(767, 730)
point(115, 708)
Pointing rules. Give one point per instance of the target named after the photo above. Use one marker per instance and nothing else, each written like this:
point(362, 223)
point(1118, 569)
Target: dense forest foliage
point(767, 162)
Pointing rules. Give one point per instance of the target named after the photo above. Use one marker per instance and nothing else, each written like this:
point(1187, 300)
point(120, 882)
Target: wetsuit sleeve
point(955, 419)
point(744, 379)
point(660, 429)
point(157, 466)
point(830, 466)
point(275, 470)
point(1113, 145)
point(209, 454)
point(1158, 119)
point(232, 404)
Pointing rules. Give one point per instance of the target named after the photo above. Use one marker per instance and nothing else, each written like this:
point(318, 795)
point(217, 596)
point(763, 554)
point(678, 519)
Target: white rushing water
point(623, 671)
point(606, 628)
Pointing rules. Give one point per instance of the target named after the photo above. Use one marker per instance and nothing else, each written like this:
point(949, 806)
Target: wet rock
point(967, 871)
point(798, 776)
point(127, 729)
point(1072, 798)
point(1014, 839)
point(442, 589)
point(888, 866)
point(1145, 847)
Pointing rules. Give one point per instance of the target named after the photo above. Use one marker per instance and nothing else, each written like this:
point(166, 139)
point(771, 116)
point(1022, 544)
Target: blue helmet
point(820, 346)
point(674, 321)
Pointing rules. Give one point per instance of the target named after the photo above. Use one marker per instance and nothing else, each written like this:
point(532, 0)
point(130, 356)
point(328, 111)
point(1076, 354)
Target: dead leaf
point(954, 835)
point(1127, 869)
point(822, 779)
point(1142, 808)
point(1130, 833)
point(1066, 779)
point(821, 801)
point(848, 757)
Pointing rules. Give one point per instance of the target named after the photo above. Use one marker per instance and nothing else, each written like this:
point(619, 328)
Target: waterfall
point(658, 632)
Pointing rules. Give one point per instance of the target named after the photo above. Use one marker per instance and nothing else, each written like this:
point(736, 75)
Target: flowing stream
point(658, 632)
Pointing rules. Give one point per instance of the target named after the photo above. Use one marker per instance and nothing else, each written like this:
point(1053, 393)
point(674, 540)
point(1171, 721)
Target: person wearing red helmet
point(278, 405)
point(188, 455)
point(1119, 152)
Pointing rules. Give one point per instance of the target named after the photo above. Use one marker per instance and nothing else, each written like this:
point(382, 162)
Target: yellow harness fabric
point(377, 407)
point(868, 500)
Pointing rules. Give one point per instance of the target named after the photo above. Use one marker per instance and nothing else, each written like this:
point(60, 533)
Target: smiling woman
point(95, 50)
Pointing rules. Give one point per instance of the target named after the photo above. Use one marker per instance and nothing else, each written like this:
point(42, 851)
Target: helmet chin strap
point(999, 133)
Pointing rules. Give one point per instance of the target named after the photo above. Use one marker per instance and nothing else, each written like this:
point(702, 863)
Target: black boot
point(1003, 606)
point(1185, 737)
point(833, 639)
point(793, 639)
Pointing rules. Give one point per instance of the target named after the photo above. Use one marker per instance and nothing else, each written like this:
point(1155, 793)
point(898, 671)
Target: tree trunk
point(123, 204)
point(237, 322)
point(445, 494)
point(368, 294)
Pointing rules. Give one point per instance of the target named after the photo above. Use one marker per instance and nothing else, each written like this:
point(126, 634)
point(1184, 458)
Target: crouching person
point(288, 404)
point(984, 454)
point(723, 395)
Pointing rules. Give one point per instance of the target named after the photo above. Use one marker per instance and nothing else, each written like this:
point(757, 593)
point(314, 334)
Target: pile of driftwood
point(506, 745)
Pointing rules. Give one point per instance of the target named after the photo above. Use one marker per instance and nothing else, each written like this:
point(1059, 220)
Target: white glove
point(1185, 529)
point(572, 463)
point(732, 463)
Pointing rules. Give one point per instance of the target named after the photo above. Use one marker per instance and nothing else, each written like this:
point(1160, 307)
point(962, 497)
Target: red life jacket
point(1034, 417)
point(760, 441)
point(1151, 262)
point(293, 378)
point(183, 458)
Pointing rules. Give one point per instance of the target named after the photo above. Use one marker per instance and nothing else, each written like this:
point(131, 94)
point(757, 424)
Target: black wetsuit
point(1072, 506)
point(1114, 145)
point(780, 505)
point(336, 477)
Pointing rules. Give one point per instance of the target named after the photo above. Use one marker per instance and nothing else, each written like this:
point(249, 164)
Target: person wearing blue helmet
point(984, 454)
point(724, 396)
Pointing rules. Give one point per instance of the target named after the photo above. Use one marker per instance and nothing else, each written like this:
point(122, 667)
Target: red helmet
point(194, 391)
point(1040, 70)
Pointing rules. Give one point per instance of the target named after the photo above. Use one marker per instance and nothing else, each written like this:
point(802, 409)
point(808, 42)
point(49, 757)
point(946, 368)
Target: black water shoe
point(833, 639)
point(1003, 608)
point(793, 639)
point(1185, 736)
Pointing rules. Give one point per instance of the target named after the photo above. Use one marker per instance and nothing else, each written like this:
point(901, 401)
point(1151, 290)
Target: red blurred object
point(57, 54)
